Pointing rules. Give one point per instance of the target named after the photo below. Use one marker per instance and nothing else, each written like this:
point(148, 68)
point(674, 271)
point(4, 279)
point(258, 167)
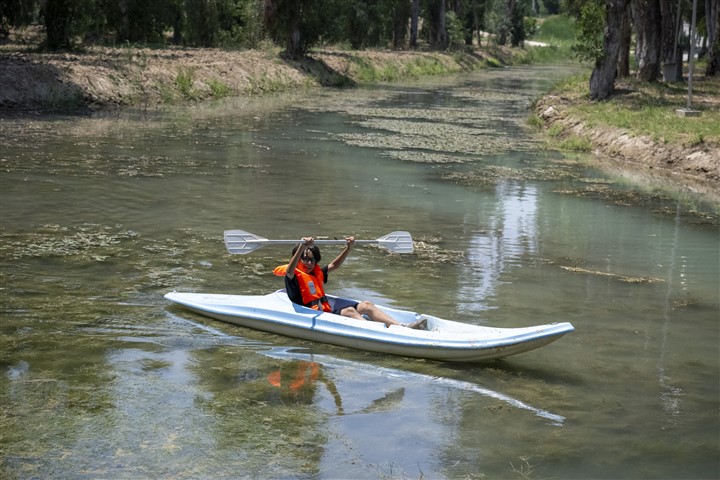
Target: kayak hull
point(444, 340)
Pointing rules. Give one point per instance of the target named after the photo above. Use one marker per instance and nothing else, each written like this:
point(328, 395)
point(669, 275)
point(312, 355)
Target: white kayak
point(443, 340)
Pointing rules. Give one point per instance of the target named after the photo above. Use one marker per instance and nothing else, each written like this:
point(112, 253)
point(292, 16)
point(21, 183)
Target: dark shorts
point(338, 304)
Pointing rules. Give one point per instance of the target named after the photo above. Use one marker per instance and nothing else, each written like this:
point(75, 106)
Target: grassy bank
point(641, 108)
point(638, 128)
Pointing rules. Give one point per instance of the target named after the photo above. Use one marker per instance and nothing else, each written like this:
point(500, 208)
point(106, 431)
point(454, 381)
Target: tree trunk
point(670, 51)
point(712, 18)
point(293, 47)
point(57, 15)
point(414, 16)
point(624, 50)
point(401, 12)
point(668, 22)
point(602, 79)
point(439, 36)
point(504, 31)
point(646, 15)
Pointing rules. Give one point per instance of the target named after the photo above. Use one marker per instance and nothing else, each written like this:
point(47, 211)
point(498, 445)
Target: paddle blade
point(398, 242)
point(242, 242)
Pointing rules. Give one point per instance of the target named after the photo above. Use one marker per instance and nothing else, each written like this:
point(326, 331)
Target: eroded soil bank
point(695, 165)
point(102, 76)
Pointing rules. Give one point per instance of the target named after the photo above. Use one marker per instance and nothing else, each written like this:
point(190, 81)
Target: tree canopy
point(295, 24)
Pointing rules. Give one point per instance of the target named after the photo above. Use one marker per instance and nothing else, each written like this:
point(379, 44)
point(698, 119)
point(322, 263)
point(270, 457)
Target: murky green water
point(101, 378)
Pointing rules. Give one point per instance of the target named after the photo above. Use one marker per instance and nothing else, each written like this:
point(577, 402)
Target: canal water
point(100, 377)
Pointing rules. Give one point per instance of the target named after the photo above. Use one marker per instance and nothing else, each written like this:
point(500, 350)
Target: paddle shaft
point(316, 242)
point(240, 241)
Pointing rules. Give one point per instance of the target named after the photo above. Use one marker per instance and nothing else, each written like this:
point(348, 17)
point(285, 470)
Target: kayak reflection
point(351, 369)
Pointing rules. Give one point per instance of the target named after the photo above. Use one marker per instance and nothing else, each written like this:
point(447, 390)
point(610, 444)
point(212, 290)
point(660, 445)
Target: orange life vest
point(311, 287)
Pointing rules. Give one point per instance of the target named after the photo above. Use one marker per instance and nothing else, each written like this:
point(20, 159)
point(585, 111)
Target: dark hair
point(314, 249)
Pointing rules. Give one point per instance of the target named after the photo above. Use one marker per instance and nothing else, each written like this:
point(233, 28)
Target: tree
point(202, 23)
point(517, 24)
point(370, 23)
point(414, 21)
point(57, 17)
point(624, 51)
point(14, 13)
point(602, 79)
point(298, 24)
point(401, 11)
point(590, 31)
point(646, 16)
point(505, 24)
point(670, 54)
point(712, 19)
point(478, 13)
point(438, 35)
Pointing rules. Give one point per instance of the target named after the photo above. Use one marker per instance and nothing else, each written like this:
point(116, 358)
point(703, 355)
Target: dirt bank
point(101, 77)
point(695, 166)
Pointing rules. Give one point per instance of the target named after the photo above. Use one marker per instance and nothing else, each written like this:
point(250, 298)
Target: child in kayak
point(304, 281)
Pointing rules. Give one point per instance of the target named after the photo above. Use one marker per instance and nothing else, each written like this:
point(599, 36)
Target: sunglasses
point(305, 258)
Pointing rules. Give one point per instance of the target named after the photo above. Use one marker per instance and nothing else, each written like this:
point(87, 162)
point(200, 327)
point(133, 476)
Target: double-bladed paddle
point(240, 241)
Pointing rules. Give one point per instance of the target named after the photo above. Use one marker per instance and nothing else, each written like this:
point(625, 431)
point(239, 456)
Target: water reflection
point(357, 370)
point(511, 234)
point(670, 395)
point(295, 382)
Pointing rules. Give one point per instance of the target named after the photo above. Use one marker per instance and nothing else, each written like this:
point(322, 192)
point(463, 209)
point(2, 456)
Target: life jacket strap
point(316, 302)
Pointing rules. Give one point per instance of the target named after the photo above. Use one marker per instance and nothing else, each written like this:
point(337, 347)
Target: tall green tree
point(202, 23)
point(401, 12)
point(414, 23)
point(517, 23)
point(590, 30)
point(602, 79)
point(437, 26)
point(371, 23)
point(504, 27)
point(298, 24)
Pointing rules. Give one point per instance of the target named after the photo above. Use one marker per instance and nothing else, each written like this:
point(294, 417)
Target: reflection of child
point(297, 381)
point(305, 371)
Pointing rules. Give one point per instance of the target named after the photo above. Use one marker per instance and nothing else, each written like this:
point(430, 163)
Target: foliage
point(297, 25)
point(551, 7)
point(517, 24)
point(557, 30)
point(590, 31)
point(219, 89)
point(184, 83)
point(366, 23)
point(456, 30)
point(531, 26)
point(15, 13)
